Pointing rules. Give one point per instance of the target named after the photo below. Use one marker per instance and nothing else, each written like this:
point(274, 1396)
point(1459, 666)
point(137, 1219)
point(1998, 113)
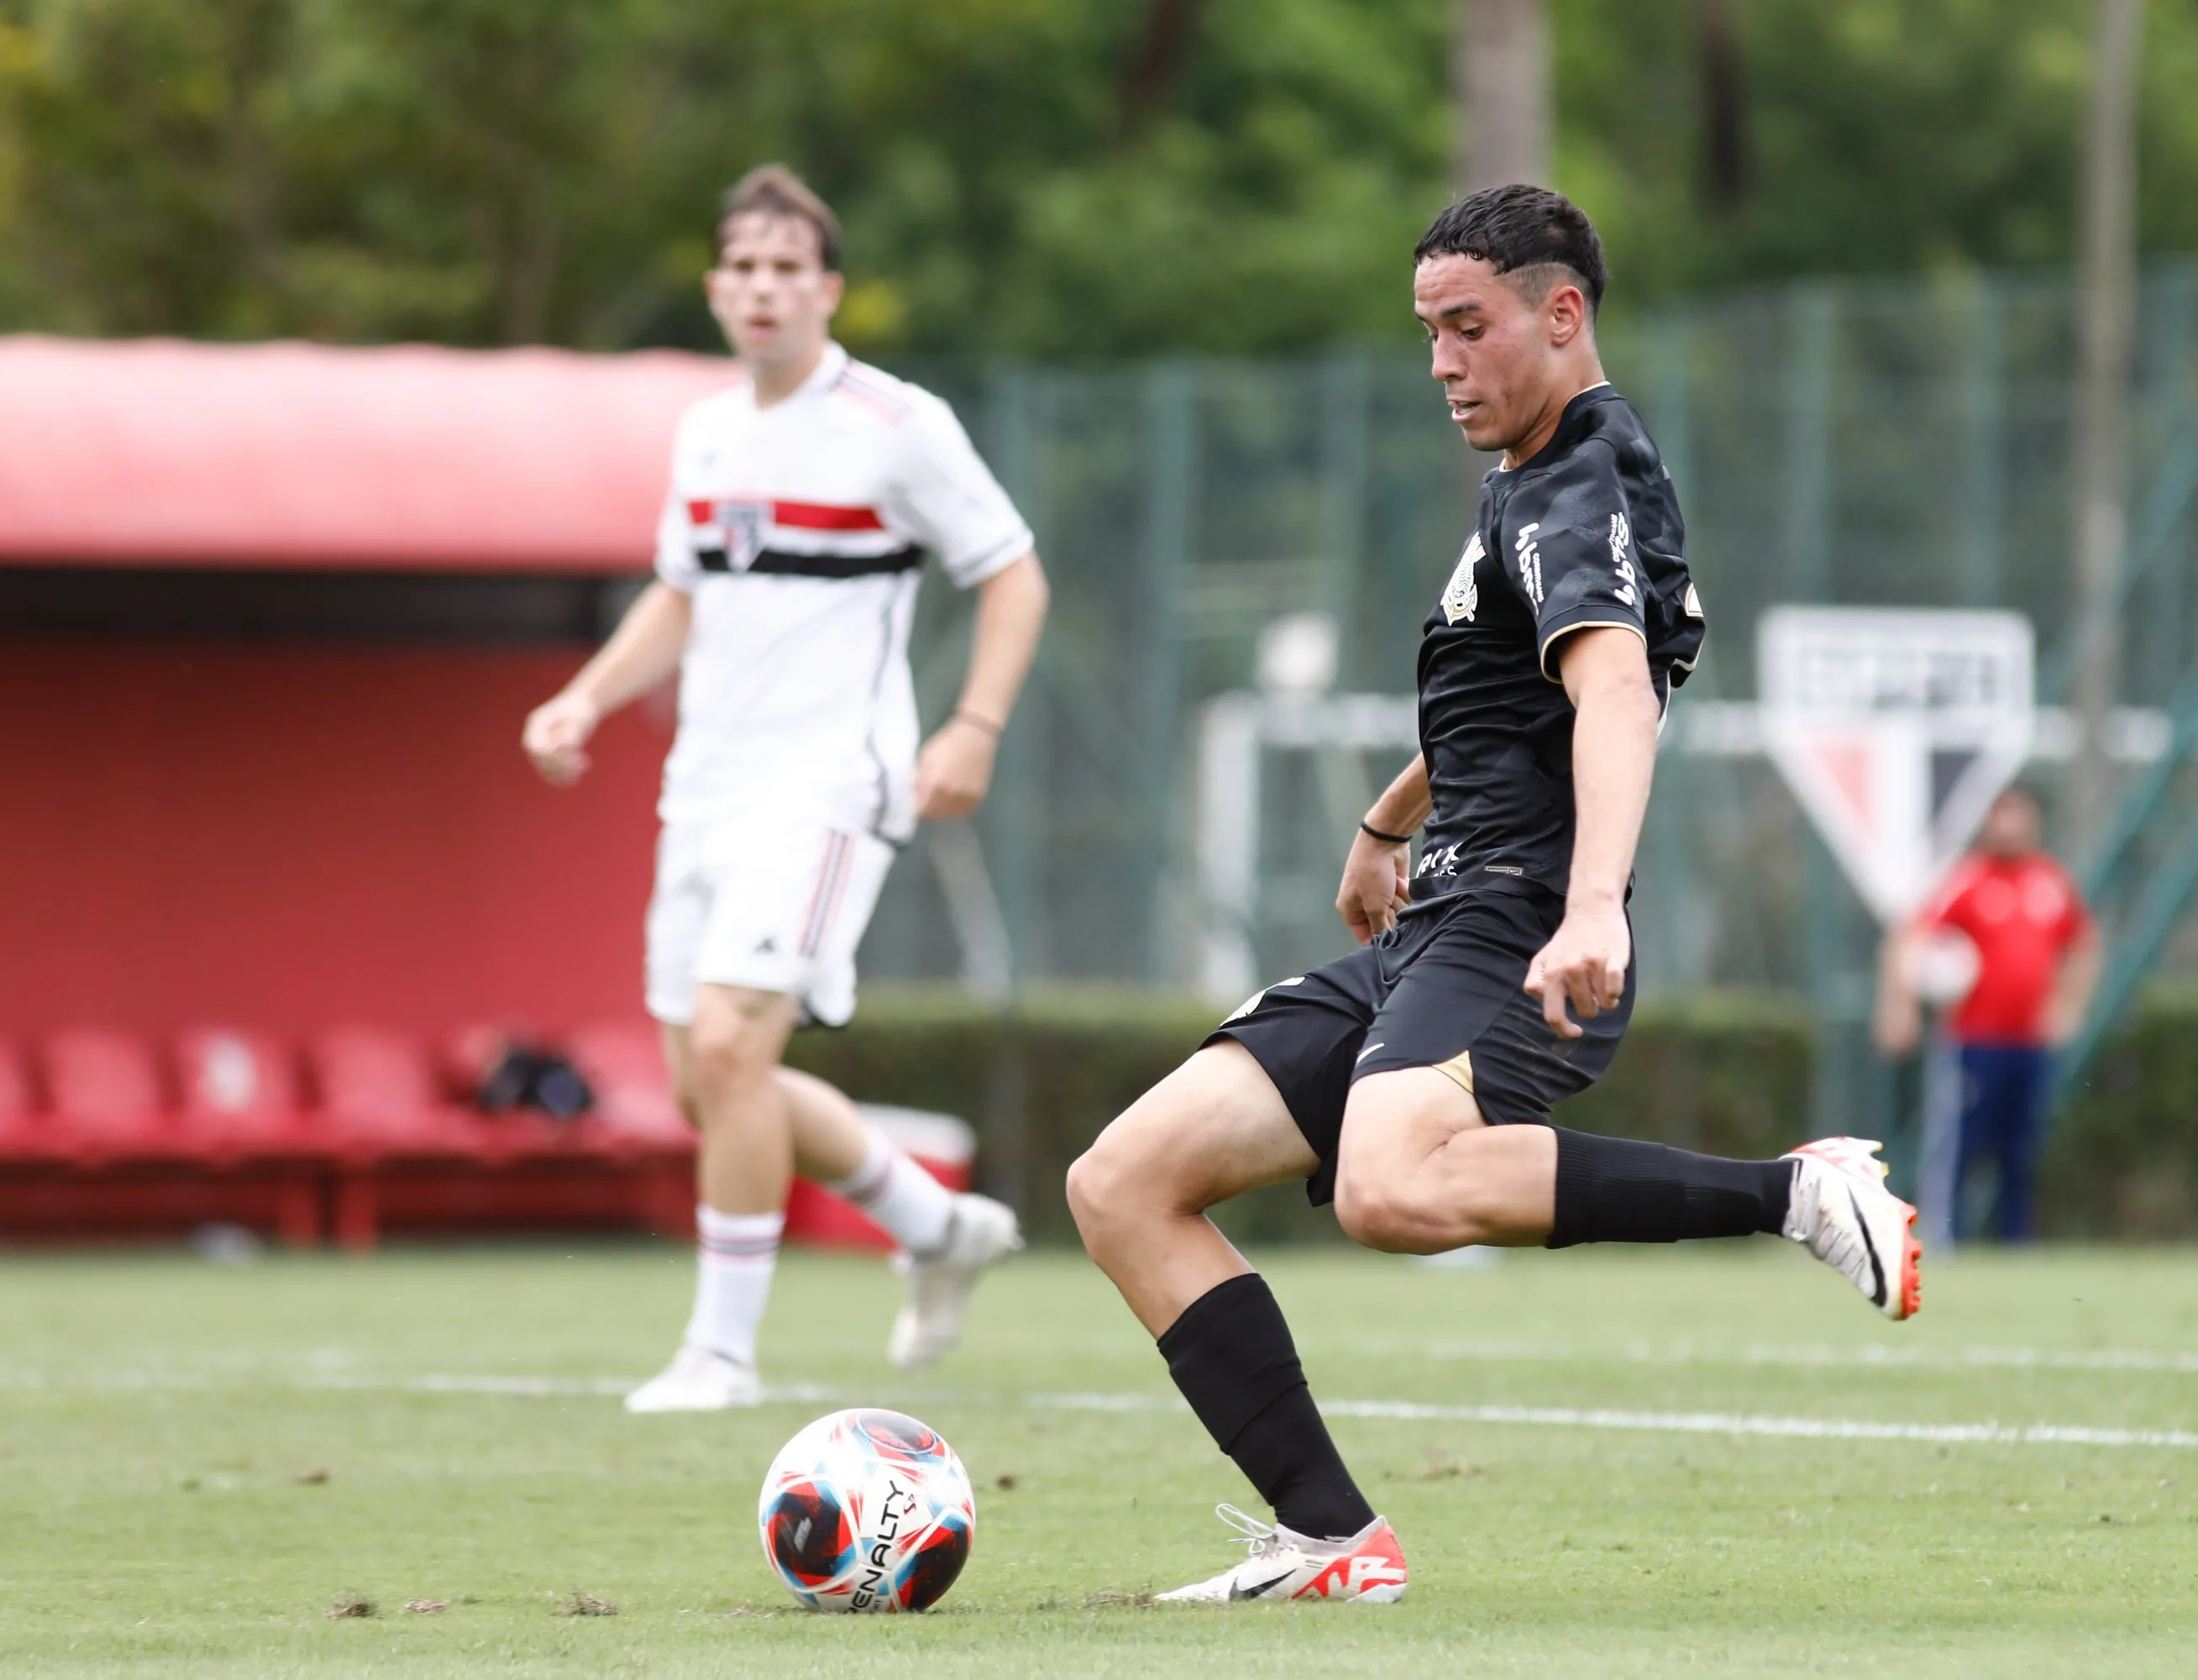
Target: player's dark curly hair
point(773, 190)
point(1518, 229)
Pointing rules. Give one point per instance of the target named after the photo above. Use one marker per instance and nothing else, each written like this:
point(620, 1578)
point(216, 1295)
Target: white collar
point(822, 377)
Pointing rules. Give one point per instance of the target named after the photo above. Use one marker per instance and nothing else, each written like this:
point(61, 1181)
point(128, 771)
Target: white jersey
point(799, 532)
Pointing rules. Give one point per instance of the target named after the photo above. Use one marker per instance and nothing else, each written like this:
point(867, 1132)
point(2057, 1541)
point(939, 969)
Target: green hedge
point(2123, 1160)
point(1724, 1072)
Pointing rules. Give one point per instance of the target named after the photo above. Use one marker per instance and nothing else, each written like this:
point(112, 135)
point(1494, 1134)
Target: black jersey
point(1586, 532)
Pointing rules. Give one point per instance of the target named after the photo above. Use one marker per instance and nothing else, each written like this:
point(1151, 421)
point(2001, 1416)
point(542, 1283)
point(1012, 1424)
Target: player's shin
point(736, 1256)
point(911, 1206)
point(1232, 1354)
point(1618, 1189)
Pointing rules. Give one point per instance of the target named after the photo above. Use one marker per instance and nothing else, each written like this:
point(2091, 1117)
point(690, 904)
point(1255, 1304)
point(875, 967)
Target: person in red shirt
point(2011, 910)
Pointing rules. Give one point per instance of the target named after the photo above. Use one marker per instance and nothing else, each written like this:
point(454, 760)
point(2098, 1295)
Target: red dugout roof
point(157, 452)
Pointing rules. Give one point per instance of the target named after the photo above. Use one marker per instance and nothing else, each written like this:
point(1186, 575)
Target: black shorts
point(1440, 990)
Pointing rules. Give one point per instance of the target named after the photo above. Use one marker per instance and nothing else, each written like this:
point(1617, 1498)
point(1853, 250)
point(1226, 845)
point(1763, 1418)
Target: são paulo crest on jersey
point(737, 525)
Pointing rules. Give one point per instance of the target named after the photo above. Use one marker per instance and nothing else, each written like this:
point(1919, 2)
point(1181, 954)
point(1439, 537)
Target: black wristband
point(1367, 828)
point(986, 724)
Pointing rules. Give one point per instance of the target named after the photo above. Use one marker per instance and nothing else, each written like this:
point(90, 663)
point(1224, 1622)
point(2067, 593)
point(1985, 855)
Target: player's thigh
point(1414, 1087)
point(678, 1064)
point(1214, 1128)
point(1459, 1046)
point(1393, 1121)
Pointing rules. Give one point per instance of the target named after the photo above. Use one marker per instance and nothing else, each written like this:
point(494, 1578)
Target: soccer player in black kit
point(1411, 1082)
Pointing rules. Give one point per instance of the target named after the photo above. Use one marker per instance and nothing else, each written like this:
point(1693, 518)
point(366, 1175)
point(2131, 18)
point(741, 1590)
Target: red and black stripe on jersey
point(785, 563)
point(818, 516)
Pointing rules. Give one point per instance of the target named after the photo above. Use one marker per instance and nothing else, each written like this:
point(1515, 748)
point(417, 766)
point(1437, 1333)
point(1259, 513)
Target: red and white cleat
point(1851, 1221)
point(1367, 1568)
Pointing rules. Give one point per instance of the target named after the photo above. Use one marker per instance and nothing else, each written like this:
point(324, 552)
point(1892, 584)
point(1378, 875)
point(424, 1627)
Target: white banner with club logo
point(1896, 729)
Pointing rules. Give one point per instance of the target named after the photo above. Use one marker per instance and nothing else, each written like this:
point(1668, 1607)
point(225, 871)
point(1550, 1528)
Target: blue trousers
point(2003, 1088)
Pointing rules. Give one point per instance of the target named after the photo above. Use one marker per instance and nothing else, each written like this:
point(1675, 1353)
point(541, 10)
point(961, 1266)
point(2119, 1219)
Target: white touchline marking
point(1561, 1417)
point(1689, 1423)
point(522, 1387)
point(1819, 1428)
point(1875, 1354)
point(439, 1383)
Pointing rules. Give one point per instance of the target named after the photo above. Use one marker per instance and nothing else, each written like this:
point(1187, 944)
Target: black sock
point(1618, 1189)
point(1232, 1354)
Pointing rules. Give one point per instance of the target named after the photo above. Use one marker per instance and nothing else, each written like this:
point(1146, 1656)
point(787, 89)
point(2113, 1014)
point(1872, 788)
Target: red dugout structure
point(270, 617)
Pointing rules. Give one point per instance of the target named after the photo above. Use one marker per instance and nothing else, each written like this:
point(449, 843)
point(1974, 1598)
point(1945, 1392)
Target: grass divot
point(586, 1604)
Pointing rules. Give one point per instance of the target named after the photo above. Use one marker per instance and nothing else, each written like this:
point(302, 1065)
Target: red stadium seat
point(635, 1114)
point(107, 1099)
point(381, 1105)
point(464, 1055)
point(369, 1134)
point(240, 1094)
point(15, 1084)
point(463, 1059)
point(21, 1137)
point(243, 1108)
point(623, 1062)
point(378, 1097)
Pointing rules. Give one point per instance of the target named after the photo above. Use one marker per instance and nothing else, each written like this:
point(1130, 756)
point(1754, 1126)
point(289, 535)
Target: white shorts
point(769, 906)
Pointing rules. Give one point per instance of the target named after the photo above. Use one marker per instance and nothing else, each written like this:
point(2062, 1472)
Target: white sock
point(912, 1205)
point(736, 1254)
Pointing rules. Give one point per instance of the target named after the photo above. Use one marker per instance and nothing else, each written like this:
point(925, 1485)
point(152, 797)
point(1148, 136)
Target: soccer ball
point(1943, 968)
point(867, 1510)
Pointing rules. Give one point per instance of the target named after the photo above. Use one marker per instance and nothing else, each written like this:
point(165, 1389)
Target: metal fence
point(1889, 443)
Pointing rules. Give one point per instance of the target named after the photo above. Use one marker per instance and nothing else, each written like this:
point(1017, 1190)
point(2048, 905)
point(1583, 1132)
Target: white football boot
point(1850, 1221)
point(1367, 1568)
point(698, 1381)
point(979, 1232)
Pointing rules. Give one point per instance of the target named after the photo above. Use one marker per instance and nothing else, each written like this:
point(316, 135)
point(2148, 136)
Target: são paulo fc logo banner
point(1896, 729)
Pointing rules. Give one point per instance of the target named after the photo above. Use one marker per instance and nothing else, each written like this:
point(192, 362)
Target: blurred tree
point(1724, 130)
point(1041, 177)
point(1502, 49)
point(142, 193)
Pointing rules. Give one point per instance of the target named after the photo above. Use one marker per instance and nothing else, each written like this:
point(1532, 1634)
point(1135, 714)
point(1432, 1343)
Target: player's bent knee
point(1104, 1191)
point(736, 1038)
point(719, 1046)
point(1374, 1215)
point(1123, 1182)
point(1087, 1196)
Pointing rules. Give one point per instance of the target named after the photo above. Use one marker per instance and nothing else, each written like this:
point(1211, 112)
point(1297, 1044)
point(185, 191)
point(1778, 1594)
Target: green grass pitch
point(196, 1461)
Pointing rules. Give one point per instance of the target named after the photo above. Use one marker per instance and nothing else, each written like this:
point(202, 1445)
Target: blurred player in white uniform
point(803, 500)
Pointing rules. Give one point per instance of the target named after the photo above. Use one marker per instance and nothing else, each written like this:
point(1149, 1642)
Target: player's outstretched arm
point(642, 651)
point(1606, 675)
point(1377, 872)
point(955, 768)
